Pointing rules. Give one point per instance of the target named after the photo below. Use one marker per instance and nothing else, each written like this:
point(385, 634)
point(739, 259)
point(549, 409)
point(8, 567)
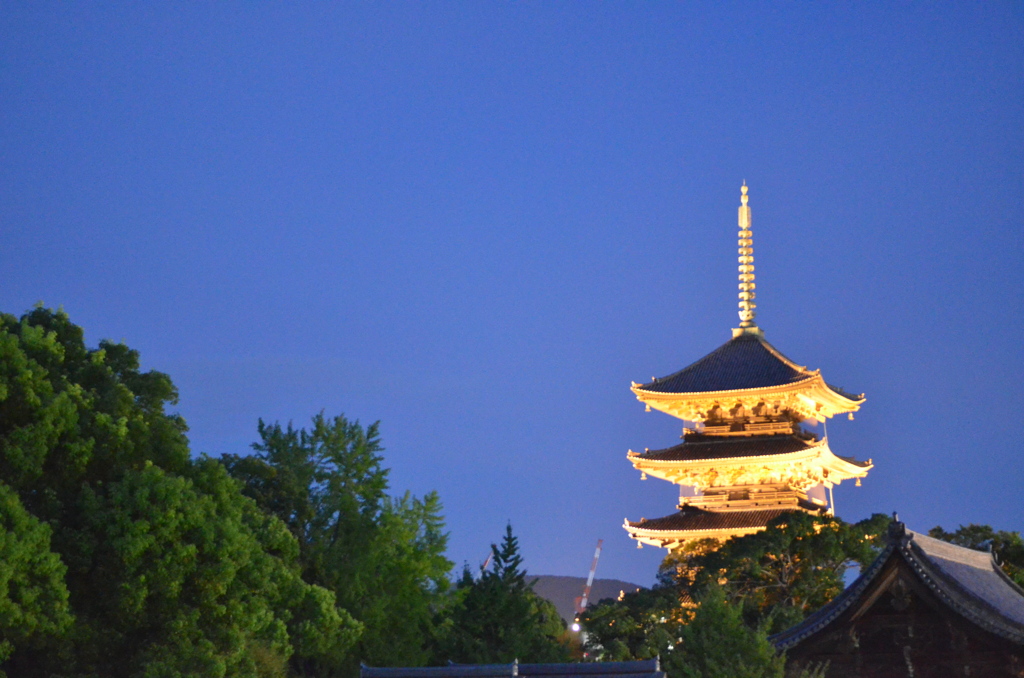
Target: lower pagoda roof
point(696, 523)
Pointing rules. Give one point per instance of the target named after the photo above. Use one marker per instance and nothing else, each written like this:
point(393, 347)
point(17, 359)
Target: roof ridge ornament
point(747, 287)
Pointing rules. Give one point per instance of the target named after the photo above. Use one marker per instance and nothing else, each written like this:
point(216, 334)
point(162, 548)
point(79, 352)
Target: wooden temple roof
point(967, 582)
point(744, 362)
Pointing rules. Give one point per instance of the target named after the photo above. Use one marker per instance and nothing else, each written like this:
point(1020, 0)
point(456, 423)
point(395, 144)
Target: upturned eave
point(812, 398)
point(813, 465)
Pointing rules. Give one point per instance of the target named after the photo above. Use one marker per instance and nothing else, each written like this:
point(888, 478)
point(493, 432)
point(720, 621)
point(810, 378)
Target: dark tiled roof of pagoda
point(967, 581)
point(695, 448)
point(743, 362)
point(855, 462)
point(691, 518)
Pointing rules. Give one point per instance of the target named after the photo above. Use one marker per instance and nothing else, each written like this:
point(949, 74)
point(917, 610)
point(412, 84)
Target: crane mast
point(581, 602)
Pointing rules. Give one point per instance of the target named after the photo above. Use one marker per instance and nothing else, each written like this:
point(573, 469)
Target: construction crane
point(581, 601)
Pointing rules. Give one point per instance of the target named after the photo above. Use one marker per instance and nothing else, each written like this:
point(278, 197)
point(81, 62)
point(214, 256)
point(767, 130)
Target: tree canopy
point(382, 556)
point(498, 618)
point(122, 555)
point(714, 602)
point(716, 643)
point(785, 572)
point(642, 624)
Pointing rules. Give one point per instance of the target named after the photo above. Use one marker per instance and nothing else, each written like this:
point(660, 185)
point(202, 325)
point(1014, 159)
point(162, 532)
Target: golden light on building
point(746, 456)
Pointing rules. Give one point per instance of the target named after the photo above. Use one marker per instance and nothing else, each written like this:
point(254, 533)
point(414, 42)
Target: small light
point(576, 628)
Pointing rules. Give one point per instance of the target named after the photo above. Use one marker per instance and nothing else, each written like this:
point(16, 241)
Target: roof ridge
point(778, 354)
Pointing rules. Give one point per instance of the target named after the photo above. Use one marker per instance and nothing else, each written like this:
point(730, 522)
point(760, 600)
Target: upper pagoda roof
point(747, 361)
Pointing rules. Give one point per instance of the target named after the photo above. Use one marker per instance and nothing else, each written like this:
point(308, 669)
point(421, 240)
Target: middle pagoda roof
point(706, 461)
point(697, 447)
point(746, 369)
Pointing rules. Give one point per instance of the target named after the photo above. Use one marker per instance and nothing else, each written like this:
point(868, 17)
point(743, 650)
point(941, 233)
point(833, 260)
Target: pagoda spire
point(746, 250)
point(747, 459)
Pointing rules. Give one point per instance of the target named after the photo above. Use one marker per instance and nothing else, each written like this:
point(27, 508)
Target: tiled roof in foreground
point(744, 362)
point(968, 582)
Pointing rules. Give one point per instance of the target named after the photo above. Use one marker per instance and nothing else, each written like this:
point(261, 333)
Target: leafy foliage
point(1007, 546)
point(123, 556)
point(33, 597)
point(382, 556)
point(718, 644)
point(643, 624)
point(498, 617)
point(746, 587)
point(785, 572)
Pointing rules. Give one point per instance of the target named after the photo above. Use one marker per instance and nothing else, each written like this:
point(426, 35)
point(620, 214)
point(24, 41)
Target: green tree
point(643, 624)
point(170, 570)
point(718, 644)
point(382, 556)
point(33, 597)
point(790, 569)
point(1007, 546)
point(498, 617)
point(774, 578)
point(184, 582)
point(70, 415)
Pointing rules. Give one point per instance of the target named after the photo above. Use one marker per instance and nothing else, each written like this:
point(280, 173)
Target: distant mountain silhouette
point(563, 591)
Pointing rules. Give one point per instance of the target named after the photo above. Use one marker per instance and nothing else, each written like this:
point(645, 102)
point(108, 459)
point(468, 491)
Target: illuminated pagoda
point(744, 453)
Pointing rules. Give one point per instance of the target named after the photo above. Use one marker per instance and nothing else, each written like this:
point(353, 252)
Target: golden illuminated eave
point(811, 398)
point(803, 469)
point(672, 539)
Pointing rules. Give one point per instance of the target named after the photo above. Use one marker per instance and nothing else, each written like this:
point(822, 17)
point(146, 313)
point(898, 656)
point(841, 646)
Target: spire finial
point(746, 242)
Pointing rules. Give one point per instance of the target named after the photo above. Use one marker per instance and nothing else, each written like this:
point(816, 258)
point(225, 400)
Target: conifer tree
point(498, 617)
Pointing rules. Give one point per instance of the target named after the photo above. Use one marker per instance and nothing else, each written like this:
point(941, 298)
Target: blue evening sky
point(478, 222)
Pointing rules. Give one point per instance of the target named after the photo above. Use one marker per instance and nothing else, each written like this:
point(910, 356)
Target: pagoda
point(744, 453)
